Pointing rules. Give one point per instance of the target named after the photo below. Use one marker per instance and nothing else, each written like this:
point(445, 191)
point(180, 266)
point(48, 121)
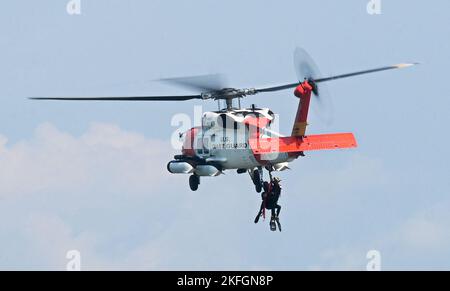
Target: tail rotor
point(307, 69)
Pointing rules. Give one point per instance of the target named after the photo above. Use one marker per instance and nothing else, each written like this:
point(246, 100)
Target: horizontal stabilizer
point(294, 144)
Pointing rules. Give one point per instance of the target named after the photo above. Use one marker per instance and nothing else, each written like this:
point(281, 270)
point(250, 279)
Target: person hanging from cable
point(264, 195)
point(270, 196)
point(273, 205)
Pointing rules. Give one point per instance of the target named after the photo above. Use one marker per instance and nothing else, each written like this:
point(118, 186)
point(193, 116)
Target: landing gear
point(194, 181)
point(257, 181)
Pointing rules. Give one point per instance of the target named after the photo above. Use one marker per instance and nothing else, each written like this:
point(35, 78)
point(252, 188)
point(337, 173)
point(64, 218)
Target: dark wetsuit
point(270, 201)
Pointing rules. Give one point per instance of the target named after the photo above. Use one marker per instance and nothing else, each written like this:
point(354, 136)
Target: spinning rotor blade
point(136, 98)
point(309, 73)
point(277, 88)
point(307, 69)
point(203, 83)
point(399, 66)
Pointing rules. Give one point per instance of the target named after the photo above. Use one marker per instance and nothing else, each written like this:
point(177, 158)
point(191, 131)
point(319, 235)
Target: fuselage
point(223, 140)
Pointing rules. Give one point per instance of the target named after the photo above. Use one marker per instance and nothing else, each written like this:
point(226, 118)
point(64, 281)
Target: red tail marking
point(303, 91)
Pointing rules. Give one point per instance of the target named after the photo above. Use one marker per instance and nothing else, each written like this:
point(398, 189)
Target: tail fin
point(303, 92)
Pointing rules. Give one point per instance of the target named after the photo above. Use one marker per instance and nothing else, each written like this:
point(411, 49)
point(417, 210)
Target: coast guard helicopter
point(241, 139)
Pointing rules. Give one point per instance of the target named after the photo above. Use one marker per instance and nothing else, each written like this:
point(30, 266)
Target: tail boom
point(295, 144)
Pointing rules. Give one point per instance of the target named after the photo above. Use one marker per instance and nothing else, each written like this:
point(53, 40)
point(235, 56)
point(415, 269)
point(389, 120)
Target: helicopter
point(242, 139)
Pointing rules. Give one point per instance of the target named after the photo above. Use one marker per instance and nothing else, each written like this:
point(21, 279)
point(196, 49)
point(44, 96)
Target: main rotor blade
point(277, 88)
point(399, 66)
point(136, 98)
point(203, 83)
point(211, 83)
point(332, 78)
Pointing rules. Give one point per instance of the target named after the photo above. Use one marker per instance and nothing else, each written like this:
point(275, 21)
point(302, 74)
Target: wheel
point(257, 181)
point(194, 180)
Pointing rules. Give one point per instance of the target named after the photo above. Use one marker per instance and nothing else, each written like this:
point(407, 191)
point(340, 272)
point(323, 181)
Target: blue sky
point(92, 176)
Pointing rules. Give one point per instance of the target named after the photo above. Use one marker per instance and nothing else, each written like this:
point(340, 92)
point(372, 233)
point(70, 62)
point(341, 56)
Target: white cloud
point(58, 189)
point(95, 192)
point(56, 161)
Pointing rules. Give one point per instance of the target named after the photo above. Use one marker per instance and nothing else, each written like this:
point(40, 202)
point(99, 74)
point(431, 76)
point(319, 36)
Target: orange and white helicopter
point(240, 139)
